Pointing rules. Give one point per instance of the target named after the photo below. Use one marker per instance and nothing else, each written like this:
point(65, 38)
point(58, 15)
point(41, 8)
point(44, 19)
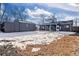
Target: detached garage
point(17, 26)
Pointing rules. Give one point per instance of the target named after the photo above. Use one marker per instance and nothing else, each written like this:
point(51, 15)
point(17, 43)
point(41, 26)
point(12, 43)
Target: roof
point(49, 24)
point(59, 22)
point(25, 22)
point(65, 22)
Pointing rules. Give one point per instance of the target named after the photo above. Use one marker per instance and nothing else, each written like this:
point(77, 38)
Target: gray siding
point(18, 27)
point(24, 27)
point(66, 25)
point(47, 27)
point(9, 27)
point(63, 26)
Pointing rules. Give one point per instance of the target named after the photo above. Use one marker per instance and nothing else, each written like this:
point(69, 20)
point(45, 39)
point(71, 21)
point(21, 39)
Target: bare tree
point(51, 19)
point(3, 10)
point(4, 16)
point(18, 14)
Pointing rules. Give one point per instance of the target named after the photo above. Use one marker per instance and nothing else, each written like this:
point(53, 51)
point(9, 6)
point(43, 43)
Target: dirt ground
point(66, 46)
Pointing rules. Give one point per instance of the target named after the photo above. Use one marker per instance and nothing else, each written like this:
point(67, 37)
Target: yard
point(39, 43)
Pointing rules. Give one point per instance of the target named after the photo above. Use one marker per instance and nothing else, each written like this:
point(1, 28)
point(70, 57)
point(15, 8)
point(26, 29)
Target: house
point(58, 26)
point(17, 26)
point(76, 25)
point(65, 25)
point(29, 26)
point(48, 26)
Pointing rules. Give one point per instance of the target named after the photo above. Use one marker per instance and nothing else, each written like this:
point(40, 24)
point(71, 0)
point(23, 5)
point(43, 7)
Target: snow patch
point(35, 49)
point(31, 39)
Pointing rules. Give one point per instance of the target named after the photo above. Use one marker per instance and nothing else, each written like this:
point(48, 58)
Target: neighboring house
point(65, 25)
point(58, 26)
point(18, 26)
point(76, 25)
point(29, 26)
point(48, 26)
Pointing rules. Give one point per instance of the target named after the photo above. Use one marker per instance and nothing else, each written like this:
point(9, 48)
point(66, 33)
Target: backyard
point(38, 43)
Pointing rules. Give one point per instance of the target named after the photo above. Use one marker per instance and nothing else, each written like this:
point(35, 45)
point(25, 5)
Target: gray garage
point(17, 26)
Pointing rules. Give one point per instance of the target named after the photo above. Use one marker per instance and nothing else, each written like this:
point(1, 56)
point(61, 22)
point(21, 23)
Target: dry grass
point(68, 45)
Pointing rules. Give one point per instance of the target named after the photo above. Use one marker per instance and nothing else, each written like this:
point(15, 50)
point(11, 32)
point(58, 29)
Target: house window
point(60, 27)
point(67, 26)
point(42, 27)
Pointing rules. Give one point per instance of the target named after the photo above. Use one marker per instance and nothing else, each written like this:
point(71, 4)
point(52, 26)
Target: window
point(67, 26)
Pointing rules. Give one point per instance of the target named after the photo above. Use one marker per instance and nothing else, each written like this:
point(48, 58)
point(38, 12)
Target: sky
point(62, 11)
